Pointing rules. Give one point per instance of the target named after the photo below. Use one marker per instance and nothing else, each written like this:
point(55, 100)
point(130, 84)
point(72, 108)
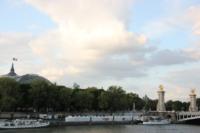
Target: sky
point(136, 44)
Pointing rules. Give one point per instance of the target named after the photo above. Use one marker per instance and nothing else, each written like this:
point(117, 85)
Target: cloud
point(16, 45)
point(180, 81)
point(88, 38)
point(170, 57)
point(179, 17)
point(92, 45)
point(186, 78)
point(192, 17)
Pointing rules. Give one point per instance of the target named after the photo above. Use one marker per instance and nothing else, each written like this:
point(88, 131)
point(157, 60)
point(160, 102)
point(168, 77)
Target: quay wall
point(62, 120)
point(165, 114)
point(96, 120)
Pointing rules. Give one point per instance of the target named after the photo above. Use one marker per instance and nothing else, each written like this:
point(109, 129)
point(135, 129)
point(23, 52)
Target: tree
point(76, 86)
point(146, 103)
point(153, 104)
point(43, 96)
point(117, 98)
point(82, 100)
point(169, 105)
point(24, 101)
point(63, 98)
point(177, 106)
point(130, 101)
point(96, 94)
point(185, 106)
point(103, 101)
point(40, 94)
point(9, 94)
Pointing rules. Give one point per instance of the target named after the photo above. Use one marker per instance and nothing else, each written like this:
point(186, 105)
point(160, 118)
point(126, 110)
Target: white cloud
point(16, 45)
point(88, 36)
point(180, 81)
point(192, 17)
point(92, 46)
point(178, 17)
point(186, 78)
point(170, 57)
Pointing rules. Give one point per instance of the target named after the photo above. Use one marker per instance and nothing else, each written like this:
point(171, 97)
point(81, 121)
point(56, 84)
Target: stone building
point(24, 79)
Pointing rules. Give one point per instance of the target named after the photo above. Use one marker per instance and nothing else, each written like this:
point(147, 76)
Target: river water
point(113, 129)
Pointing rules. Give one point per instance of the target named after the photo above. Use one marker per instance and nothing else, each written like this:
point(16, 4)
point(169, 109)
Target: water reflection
point(112, 129)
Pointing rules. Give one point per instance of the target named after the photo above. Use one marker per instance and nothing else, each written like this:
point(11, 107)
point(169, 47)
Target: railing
point(184, 116)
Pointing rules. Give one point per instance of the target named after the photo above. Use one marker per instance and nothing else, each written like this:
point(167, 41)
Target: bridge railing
point(183, 116)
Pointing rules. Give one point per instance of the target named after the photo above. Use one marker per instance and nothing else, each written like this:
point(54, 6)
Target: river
point(112, 129)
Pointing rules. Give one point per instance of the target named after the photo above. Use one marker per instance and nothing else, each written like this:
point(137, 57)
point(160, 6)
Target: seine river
point(112, 129)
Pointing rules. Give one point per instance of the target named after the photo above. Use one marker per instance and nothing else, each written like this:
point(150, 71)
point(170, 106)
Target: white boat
point(23, 123)
point(156, 121)
point(74, 119)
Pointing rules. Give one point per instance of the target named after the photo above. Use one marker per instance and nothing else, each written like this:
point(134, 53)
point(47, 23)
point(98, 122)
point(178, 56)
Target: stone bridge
point(178, 117)
point(165, 114)
point(187, 116)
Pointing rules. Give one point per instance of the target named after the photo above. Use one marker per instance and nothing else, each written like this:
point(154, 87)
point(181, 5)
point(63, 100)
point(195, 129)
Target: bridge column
point(161, 99)
point(193, 105)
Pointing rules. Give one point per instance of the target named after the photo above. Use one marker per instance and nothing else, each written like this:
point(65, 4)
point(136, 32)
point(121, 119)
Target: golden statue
point(193, 91)
point(161, 88)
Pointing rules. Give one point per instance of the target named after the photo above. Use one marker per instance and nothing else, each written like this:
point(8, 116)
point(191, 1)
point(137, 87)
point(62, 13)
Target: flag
point(15, 59)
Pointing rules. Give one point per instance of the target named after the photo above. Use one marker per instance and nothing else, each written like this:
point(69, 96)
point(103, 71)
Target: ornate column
point(161, 99)
point(193, 105)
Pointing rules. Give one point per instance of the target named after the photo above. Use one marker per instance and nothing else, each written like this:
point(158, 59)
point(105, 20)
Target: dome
point(24, 79)
point(28, 78)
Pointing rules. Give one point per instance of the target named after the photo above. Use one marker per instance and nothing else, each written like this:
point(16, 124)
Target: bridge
point(192, 116)
point(177, 117)
point(187, 116)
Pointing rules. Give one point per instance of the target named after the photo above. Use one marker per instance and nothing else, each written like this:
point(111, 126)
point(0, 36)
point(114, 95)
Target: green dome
point(24, 79)
point(28, 78)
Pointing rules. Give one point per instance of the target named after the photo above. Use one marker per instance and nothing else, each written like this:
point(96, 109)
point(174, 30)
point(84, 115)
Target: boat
point(74, 119)
point(100, 119)
point(23, 123)
point(156, 121)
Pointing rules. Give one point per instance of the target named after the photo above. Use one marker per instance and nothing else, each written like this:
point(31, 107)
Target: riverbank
point(66, 119)
point(55, 123)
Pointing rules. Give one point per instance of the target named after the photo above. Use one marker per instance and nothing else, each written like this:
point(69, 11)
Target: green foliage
point(177, 105)
point(9, 95)
point(103, 101)
point(63, 98)
point(82, 100)
point(42, 96)
point(116, 98)
point(168, 105)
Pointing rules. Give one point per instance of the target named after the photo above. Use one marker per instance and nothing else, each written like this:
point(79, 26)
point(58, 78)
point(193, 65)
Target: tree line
point(41, 96)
